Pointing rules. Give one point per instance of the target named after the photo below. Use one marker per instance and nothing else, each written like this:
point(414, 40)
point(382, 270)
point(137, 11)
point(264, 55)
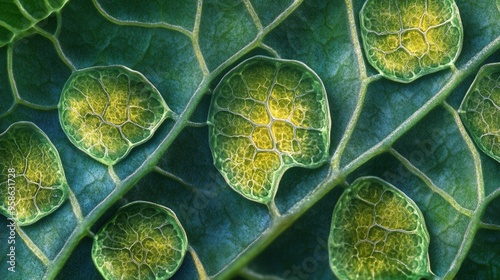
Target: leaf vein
point(473, 150)
point(57, 45)
point(32, 246)
point(490, 226)
point(254, 15)
point(165, 25)
point(75, 205)
point(428, 181)
point(195, 39)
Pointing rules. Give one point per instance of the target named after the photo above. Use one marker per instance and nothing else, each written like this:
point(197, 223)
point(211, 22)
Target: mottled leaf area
point(267, 115)
point(480, 110)
point(378, 232)
point(32, 180)
point(106, 111)
point(405, 40)
point(19, 16)
point(142, 241)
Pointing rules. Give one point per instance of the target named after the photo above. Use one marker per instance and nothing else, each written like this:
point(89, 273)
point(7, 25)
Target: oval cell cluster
point(32, 180)
point(480, 110)
point(142, 241)
point(106, 111)
point(405, 40)
point(267, 115)
point(378, 232)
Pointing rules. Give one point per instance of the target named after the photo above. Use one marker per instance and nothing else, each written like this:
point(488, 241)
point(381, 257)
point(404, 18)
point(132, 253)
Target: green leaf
point(142, 240)
point(106, 111)
point(266, 116)
point(19, 16)
point(480, 110)
point(408, 134)
point(378, 232)
point(406, 40)
point(32, 180)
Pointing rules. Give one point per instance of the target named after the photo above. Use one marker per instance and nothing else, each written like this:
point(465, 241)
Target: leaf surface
point(18, 17)
point(409, 134)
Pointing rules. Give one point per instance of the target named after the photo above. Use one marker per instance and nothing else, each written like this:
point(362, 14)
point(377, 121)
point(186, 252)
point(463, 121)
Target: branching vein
point(141, 24)
point(422, 176)
point(473, 150)
point(32, 246)
point(75, 205)
point(254, 15)
point(57, 46)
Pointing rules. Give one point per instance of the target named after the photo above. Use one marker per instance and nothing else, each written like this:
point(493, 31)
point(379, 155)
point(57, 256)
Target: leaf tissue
point(32, 182)
point(298, 139)
point(266, 116)
point(105, 111)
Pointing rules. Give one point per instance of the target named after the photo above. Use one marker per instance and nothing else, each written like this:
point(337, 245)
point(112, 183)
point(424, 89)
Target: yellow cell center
point(415, 42)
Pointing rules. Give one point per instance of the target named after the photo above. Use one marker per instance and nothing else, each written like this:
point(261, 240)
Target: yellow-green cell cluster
point(405, 40)
point(266, 116)
point(480, 110)
point(142, 241)
point(32, 180)
point(378, 232)
point(106, 111)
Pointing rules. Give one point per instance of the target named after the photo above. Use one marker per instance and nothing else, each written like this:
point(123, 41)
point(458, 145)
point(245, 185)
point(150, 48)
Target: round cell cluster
point(267, 115)
point(142, 241)
point(32, 180)
point(378, 232)
point(106, 111)
point(405, 40)
point(480, 110)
